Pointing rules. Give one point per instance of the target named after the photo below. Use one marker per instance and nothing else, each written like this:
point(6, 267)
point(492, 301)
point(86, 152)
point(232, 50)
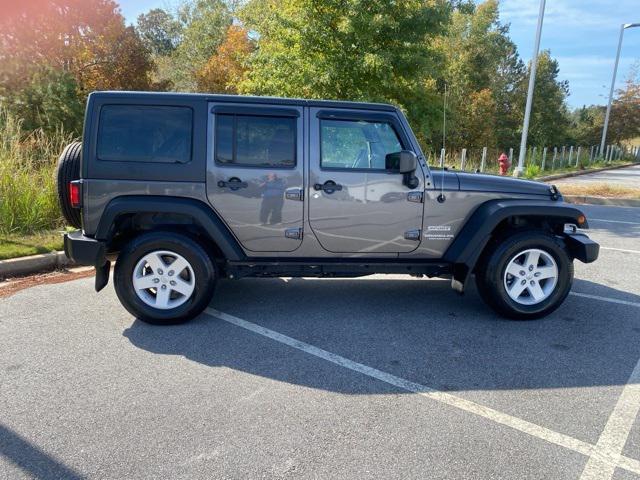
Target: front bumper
point(84, 250)
point(582, 247)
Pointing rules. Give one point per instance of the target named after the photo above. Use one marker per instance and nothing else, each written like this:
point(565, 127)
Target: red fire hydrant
point(504, 164)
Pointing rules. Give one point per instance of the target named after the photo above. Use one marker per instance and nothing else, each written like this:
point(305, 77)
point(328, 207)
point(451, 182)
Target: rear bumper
point(84, 250)
point(582, 247)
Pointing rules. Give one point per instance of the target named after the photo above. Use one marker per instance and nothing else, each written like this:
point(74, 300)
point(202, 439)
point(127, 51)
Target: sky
point(581, 34)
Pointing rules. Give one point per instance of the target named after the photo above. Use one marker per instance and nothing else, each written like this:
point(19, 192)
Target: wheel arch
point(127, 216)
point(495, 218)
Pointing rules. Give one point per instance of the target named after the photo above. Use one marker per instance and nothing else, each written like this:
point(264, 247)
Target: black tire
point(204, 269)
point(67, 171)
point(491, 271)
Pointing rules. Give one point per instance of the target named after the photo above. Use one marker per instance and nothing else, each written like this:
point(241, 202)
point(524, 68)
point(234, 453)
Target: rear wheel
point(164, 278)
point(525, 275)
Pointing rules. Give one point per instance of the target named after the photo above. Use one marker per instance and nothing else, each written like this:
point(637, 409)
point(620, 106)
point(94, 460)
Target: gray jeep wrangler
point(185, 189)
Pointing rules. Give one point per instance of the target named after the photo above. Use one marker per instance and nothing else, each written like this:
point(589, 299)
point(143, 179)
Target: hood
point(494, 183)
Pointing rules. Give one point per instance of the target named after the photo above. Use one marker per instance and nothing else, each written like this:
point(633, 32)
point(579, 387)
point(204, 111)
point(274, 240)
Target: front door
point(255, 174)
point(356, 205)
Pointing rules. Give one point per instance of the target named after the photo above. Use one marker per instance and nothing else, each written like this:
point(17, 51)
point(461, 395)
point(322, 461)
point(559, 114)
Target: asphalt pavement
point(379, 377)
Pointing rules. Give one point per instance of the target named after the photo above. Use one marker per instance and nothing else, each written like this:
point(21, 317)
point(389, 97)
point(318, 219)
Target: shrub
point(48, 100)
point(532, 170)
point(28, 198)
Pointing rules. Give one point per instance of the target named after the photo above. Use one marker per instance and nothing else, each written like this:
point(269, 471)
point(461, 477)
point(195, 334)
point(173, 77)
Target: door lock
point(294, 233)
point(412, 235)
point(294, 194)
point(415, 197)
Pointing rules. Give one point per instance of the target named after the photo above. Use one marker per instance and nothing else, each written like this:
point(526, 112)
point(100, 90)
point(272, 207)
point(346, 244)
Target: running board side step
point(346, 268)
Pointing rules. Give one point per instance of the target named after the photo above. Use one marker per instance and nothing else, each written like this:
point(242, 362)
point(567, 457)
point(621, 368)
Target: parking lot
point(380, 377)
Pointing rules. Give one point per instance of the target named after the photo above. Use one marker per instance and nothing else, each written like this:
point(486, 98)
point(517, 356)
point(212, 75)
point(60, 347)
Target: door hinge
point(415, 197)
point(413, 234)
point(294, 233)
point(294, 194)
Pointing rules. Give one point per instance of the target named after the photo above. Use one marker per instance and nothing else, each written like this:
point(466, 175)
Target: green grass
point(28, 198)
point(532, 171)
point(584, 167)
point(600, 190)
point(15, 245)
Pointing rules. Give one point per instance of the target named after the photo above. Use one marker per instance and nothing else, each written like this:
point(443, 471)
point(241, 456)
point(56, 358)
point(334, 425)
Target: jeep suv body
point(184, 189)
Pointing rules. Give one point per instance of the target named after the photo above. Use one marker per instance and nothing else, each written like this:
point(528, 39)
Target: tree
point(86, 38)
point(624, 122)
point(549, 124)
point(119, 63)
point(586, 125)
point(482, 71)
point(372, 50)
point(159, 31)
point(49, 101)
point(481, 119)
point(204, 26)
point(227, 67)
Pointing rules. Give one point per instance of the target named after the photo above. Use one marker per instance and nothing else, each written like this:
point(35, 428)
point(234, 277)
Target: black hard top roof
point(175, 96)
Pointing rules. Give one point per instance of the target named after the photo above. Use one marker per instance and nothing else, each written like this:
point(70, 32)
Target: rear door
point(355, 204)
point(255, 173)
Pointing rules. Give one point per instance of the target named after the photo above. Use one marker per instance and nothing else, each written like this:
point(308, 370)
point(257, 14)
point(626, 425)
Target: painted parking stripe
point(616, 431)
point(603, 456)
point(620, 250)
point(605, 299)
point(613, 221)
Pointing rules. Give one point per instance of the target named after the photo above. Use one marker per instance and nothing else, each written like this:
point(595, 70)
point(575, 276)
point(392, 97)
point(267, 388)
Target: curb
point(33, 264)
point(587, 200)
point(582, 172)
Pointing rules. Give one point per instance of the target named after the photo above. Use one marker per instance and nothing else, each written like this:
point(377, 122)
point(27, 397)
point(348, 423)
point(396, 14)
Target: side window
point(254, 141)
point(356, 144)
point(145, 133)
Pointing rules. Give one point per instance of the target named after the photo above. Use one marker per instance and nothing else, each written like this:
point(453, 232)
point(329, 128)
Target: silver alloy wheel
point(531, 276)
point(163, 279)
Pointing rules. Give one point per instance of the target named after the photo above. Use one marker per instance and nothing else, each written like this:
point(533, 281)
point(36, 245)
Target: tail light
point(75, 194)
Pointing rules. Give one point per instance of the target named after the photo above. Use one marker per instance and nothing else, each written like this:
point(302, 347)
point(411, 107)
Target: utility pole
point(623, 27)
point(532, 80)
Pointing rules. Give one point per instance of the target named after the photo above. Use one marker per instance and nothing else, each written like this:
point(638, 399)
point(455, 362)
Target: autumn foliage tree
point(85, 39)
point(54, 52)
point(625, 111)
point(224, 71)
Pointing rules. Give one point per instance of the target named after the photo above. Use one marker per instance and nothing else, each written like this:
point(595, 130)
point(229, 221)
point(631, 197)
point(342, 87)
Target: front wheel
point(527, 275)
point(164, 278)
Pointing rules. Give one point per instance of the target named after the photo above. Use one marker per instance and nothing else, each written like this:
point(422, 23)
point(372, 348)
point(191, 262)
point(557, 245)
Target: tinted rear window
point(142, 133)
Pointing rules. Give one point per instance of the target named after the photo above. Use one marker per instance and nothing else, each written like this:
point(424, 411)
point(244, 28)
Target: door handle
point(327, 187)
point(234, 183)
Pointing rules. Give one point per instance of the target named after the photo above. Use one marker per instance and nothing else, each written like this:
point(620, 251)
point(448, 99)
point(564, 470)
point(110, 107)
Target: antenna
point(444, 118)
point(441, 197)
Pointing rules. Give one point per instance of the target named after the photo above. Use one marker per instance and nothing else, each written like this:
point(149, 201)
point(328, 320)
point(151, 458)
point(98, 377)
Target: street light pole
point(623, 27)
point(532, 80)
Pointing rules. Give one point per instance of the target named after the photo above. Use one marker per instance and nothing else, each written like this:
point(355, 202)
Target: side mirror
point(404, 161)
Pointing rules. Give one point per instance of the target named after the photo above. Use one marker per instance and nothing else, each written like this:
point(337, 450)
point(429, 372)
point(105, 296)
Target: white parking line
point(616, 431)
point(606, 299)
point(613, 221)
point(603, 455)
point(620, 250)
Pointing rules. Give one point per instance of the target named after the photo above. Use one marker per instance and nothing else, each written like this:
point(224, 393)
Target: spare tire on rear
point(69, 170)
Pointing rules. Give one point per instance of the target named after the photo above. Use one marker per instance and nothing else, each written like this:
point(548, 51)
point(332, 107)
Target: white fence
point(485, 159)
